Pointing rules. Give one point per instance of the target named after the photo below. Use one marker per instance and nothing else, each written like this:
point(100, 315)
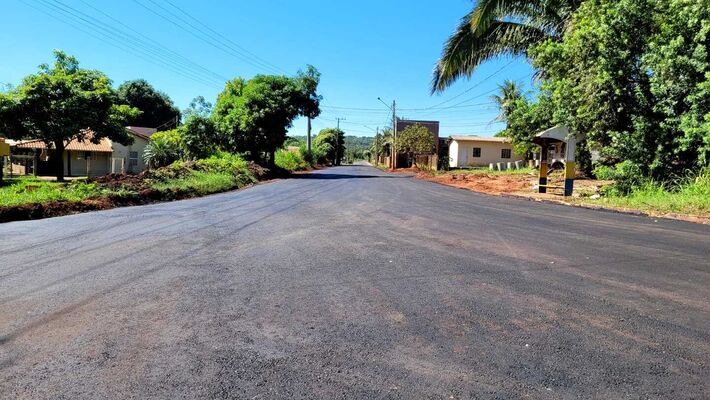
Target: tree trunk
point(59, 160)
point(272, 158)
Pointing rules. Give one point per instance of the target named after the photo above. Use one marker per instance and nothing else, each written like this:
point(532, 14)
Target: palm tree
point(500, 27)
point(510, 92)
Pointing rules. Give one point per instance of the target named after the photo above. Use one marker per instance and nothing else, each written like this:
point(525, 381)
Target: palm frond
point(465, 50)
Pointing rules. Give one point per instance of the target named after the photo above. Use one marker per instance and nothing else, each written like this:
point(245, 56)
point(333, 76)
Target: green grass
point(201, 183)
point(691, 197)
point(27, 190)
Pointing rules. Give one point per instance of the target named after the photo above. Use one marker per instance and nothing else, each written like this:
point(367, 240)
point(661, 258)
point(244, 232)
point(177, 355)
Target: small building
point(403, 159)
point(81, 158)
point(129, 159)
point(479, 151)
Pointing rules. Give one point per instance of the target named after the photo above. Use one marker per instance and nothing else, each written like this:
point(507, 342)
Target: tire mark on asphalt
point(9, 299)
point(114, 239)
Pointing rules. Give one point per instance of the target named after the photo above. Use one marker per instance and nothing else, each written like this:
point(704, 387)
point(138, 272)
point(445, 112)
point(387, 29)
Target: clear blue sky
point(364, 49)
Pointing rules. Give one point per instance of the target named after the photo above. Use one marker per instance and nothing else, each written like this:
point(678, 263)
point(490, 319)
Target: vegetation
point(164, 148)
point(416, 139)
point(690, 196)
point(510, 93)
point(291, 160)
point(59, 103)
point(26, 190)
point(157, 109)
point(631, 78)
point(331, 143)
point(500, 27)
point(253, 116)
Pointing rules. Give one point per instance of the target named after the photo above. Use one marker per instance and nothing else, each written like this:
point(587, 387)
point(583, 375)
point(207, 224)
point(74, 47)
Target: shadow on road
point(344, 176)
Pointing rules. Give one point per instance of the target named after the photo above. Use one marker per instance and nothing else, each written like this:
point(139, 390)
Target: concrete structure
point(551, 142)
point(478, 151)
point(129, 159)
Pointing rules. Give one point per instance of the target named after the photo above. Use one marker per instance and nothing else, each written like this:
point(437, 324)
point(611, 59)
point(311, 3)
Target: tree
point(510, 93)
point(200, 137)
point(164, 148)
point(198, 106)
point(157, 110)
point(416, 139)
point(500, 27)
point(255, 115)
point(309, 80)
point(331, 141)
point(63, 102)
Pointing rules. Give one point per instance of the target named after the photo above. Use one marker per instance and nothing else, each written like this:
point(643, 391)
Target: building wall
point(461, 153)
point(121, 156)
point(454, 154)
point(75, 163)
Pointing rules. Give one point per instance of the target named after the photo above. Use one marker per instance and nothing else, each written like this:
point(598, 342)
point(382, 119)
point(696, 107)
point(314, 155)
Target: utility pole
point(308, 137)
point(377, 146)
point(394, 134)
point(337, 139)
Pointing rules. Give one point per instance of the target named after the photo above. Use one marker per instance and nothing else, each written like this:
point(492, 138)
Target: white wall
point(121, 152)
point(461, 153)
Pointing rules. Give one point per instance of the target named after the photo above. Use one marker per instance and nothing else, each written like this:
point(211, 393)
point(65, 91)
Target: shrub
point(163, 149)
point(626, 175)
point(227, 163)
point(291, 160)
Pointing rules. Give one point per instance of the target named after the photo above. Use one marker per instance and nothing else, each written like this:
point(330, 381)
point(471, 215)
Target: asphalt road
point(351, 283)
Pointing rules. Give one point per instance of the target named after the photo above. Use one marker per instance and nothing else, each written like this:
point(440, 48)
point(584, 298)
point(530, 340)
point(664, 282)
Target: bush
point(223, 162)
point(291, 161)
point(626, 175)
point(164, 148)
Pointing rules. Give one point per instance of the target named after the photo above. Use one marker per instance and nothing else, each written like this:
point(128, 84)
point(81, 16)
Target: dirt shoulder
point(587, 192)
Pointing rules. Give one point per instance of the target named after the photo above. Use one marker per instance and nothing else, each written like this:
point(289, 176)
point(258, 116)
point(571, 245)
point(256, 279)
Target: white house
point(129, 159)
point(478, 151)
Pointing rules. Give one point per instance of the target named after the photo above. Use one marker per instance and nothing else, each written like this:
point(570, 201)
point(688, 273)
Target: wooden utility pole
point(308, 136)
point(337, 139)
point(394, 135)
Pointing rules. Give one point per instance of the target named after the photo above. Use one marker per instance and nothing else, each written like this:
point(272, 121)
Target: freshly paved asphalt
point(351, 283)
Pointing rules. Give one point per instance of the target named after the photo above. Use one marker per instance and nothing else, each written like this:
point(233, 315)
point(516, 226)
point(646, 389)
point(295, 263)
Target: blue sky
point(365, 49)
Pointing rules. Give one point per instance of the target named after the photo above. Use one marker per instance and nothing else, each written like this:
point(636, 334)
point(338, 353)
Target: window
point(505, 153)
point(476, 151)
point(83, 155)
point(132, 158)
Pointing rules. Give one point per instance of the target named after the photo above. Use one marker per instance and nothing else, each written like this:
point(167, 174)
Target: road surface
point(352, 283)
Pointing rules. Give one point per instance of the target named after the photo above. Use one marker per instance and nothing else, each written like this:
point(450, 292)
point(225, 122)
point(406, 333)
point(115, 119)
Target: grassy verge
point(31, 198)
point(26, 190)
point(200, 183)
point(689, 198)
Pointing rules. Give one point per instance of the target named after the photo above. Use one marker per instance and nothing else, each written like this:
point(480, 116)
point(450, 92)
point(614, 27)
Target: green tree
point(200, 137)
point(198, 106)
point(164, 148)
point(63, 102)
point(331, 142)
point(679, 56)
point(416, 139)
point(255, 115)
point(157, 109)
point(510, 93)
point(500, 27)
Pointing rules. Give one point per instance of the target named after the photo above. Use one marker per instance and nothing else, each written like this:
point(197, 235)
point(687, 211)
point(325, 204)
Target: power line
point(206, 26)
point(109, 38)
point(204, 37)
point(158, 45)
